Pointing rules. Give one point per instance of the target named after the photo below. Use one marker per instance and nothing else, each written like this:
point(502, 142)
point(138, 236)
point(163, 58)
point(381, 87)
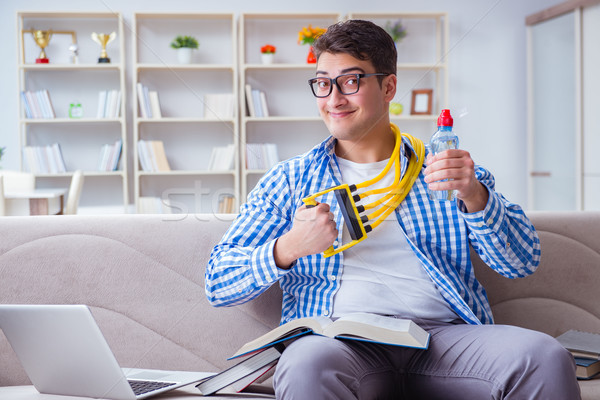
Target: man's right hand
point(313, 231)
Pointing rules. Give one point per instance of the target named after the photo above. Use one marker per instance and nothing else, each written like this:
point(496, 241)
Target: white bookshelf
point(422, 64)
point(80, 139)
point(293, 124)
point(188, 131)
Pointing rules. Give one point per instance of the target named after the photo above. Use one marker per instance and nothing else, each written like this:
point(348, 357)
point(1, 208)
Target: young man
point(414, 265)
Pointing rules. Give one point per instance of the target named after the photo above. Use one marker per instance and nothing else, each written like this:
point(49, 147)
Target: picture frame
point(421, 102)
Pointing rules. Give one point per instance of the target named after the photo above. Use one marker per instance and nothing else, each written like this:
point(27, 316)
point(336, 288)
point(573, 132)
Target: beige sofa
point(143, 276)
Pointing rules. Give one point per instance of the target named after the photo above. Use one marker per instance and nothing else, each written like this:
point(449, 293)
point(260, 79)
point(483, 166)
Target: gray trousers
point(462, 362)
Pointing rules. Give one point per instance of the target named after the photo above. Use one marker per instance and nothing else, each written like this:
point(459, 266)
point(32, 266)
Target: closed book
point(250, 102)
point(581, 343)
point(160, 157)
point(241, 370)
point(587, 368)
point(154, 104)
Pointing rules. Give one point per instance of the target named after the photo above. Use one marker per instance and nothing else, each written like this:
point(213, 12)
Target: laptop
point(64, 352)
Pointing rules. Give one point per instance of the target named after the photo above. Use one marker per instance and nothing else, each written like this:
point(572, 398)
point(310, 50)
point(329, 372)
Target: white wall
point(487, 67)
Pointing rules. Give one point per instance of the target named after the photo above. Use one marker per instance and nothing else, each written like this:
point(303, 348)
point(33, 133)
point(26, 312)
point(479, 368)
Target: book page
point(291, 329)
point(380, 329)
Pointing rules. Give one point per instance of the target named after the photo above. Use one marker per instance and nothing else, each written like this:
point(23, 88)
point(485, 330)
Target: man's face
point(352, 117)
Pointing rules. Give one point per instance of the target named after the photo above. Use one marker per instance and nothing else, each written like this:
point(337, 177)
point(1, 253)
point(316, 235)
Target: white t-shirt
point(382, 274)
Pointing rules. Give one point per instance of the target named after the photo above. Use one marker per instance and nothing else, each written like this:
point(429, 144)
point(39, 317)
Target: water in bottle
point(443, 139)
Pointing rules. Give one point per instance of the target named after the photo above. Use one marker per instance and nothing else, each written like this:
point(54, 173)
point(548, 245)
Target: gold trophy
point(42, 38)
point(103, 39)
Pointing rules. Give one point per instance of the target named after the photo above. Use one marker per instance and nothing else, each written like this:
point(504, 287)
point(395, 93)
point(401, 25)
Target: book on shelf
point(226, 202)
point(109, 104)
point(261, 155)
point(248, 370)
point(110, 154)
point(153, 205)
point(256, 101)
point(45, 159)
point(357, 326)
point(154, 104)
point(37, 104)
point(222, 158)
point(580, 343)
point(249, 102)
point(587, 368)
point(144, 100)
point(152, 156)
point(219, 106)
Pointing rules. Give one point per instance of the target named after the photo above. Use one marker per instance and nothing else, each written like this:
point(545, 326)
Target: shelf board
point(70, 120)
point(283, 119)
point(68, 14)
point(421, 66)
point(183, 120)
point(184, 67)
point(280, 16)
point(70, 67)
point(409, 117)
point(177, 15)
point(85, 174)
point(256, 171)
point(279, 66)
point(186, 172)
point(366, 15)
point(306, 66)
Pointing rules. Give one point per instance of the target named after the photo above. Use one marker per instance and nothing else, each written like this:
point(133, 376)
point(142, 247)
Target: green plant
point(396, 30)
point(2, 150)
point(184, 41)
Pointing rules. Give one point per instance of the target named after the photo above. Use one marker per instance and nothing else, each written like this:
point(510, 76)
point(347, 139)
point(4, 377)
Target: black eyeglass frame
point(334, 81)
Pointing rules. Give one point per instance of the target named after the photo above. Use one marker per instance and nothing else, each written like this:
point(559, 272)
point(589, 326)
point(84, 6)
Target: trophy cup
point(103, 39)
point(42, 38)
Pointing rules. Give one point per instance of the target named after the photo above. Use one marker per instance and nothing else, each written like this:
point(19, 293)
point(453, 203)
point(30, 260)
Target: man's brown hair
point(361, 39)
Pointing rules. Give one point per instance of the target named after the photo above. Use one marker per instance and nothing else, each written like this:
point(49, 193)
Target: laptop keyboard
point(141, 387)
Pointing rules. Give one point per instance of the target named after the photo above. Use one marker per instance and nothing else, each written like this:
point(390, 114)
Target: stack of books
point(152, 156)
point(110, 154)
point(219, 106)
point(45, 159)
point(148, 102)
point(38, 104)
point(261, 354)
point(261, 155)
point(226, 204)
point(585, 347)
point(256, 100)
point(109, 104)
point(222, 158)
point(153, 205)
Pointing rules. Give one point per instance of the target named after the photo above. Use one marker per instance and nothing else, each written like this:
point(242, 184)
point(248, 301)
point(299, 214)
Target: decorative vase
point(184, 55)
point(267, 58)
point(311, 59)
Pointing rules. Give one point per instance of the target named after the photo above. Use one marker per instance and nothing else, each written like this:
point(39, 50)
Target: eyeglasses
point(346, 84)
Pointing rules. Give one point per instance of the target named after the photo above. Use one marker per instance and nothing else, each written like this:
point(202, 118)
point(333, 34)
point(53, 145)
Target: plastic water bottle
point(443, 139)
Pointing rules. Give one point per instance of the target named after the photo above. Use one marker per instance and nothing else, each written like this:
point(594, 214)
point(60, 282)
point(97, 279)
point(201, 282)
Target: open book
point(357, 326)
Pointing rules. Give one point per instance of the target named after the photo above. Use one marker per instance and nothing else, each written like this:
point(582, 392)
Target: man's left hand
point(458, 170)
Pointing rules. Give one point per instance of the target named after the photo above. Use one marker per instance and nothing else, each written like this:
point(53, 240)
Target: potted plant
point(2, 151)
point(184, 46)
point(396, 30)
point(267, 53)
point(307, 35)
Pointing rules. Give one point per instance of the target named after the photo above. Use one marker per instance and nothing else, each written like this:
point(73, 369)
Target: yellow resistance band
point(384, 206)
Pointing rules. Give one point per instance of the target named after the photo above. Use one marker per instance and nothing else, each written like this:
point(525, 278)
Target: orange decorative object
point(311, 59)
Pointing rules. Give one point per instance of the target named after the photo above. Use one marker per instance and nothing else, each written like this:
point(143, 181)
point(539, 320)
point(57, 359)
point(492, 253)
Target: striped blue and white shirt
point(242, 265)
